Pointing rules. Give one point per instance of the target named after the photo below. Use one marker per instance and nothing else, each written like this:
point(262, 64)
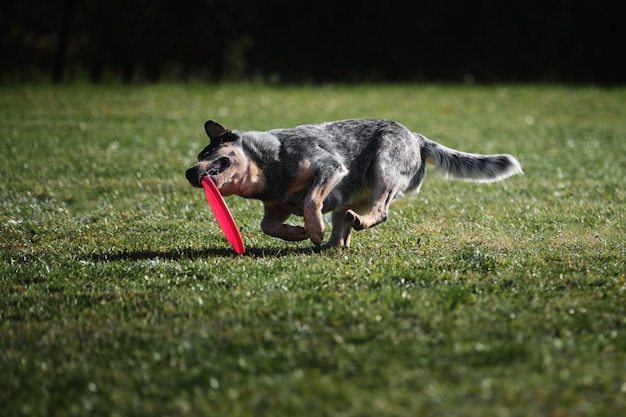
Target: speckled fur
point(352, 168)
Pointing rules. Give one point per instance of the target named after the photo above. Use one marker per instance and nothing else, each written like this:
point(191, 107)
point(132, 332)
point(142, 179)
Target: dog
point(352, 168)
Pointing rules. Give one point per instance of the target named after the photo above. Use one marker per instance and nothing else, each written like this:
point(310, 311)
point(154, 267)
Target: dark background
point(575, 41)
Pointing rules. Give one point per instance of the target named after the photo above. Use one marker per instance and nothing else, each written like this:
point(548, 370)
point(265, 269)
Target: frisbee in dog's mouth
point(222, 214)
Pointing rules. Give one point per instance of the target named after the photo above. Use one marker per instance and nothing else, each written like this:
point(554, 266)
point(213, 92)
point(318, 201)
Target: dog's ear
point(214, 129)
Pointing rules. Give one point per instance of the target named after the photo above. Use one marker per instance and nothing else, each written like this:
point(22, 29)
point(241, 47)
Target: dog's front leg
point(314, 202)
point(273, 224)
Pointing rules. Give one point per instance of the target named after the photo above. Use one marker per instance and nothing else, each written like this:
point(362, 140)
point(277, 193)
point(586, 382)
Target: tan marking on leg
point(313, 203)
point(377, 214)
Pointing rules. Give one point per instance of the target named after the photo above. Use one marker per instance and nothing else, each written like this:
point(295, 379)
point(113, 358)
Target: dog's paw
point(292, 233)
point(284, 231)
point(299, 233)
point(315, 231)
point(354, 220)
point(317, 237)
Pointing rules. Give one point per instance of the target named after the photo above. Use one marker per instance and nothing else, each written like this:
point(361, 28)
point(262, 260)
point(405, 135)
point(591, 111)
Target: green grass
point(119, 295)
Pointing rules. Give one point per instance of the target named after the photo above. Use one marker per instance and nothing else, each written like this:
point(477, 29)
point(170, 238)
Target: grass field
point(120, 296)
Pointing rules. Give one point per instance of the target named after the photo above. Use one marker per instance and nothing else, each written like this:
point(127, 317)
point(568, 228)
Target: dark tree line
point(314, 40)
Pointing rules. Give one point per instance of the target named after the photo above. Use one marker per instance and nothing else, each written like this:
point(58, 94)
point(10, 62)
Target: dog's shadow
point(194, 254)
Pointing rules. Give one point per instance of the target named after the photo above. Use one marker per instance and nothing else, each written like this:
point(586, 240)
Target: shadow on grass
point(193, 254)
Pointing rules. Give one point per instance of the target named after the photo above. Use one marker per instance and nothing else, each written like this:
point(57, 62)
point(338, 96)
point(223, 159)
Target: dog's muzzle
point(193, 177)
point(194, 174)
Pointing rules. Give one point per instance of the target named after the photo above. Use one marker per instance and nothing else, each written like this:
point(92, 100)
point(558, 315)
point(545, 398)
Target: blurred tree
point(314, 40)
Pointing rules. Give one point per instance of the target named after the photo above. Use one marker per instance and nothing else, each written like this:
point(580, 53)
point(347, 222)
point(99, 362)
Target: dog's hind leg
point(386, 186)
point(273, 224)
point(341, 230)
point(397, 167)
point(378, 212)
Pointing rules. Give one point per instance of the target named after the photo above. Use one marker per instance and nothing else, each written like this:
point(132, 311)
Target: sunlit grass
point(120, 296)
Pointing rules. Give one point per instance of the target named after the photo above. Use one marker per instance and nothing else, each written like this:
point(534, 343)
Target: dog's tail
point(468, 166)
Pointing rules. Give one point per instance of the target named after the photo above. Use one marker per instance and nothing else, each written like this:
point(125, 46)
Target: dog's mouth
point(195, 175)
point(217, 167)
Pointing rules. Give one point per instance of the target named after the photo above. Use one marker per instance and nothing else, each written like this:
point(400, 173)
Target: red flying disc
point(222, 214)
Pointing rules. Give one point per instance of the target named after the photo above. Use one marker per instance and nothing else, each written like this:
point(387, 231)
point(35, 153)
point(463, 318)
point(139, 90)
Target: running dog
point(352, 168)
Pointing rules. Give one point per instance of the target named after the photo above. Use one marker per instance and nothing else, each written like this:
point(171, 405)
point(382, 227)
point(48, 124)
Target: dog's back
point(367, 149)
point(359, 142)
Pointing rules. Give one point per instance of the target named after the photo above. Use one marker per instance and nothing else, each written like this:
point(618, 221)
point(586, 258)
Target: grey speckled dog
point(354, 168)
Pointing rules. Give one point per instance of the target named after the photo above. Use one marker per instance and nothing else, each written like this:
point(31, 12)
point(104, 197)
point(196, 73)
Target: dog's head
point(226, 162)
